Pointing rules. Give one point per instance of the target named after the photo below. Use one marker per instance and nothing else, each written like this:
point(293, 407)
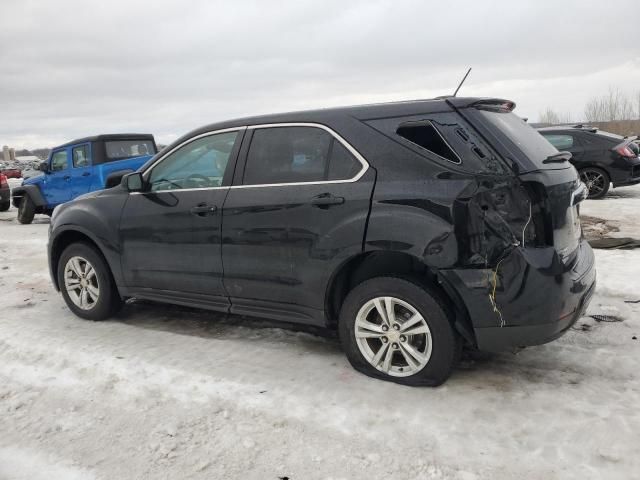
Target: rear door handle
point(202, 210)
point(67, 177)
point(326, 200)
point(86, 174)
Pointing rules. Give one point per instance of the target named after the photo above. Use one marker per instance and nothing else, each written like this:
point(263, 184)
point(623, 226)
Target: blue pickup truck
point(79, 167)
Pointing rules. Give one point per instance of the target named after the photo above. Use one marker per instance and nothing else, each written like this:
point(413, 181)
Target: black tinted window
point(296, 154)
point(425, 135)
point(560, 141)
point(342, 164)
point(119, 149)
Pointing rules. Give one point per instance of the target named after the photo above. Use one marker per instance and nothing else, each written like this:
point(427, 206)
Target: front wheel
point(26, 210)
point(397, 330)
point(86, 283)
point(597, 181)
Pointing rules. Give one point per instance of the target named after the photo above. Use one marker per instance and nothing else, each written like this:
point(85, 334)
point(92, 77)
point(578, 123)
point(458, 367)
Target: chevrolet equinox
point(411, 228)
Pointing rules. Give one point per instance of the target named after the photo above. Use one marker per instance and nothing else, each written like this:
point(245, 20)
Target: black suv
point(601, 157)
point(409, 227)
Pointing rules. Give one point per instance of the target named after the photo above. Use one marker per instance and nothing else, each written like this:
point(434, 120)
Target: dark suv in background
point(601, 158)
point(409, 227)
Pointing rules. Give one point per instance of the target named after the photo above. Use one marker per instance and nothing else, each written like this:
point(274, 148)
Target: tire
point(597, 181)
point(438, 360)
point(26, 210)
point(5, 206)
point(82, 285)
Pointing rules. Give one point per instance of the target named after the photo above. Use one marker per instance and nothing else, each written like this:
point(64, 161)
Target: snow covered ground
point(168, 392)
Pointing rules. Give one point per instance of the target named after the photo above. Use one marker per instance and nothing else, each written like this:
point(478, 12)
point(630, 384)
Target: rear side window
point(80, 156)
point(297, 154)
point(425, 135)
point(560, 141)
point(120, 149)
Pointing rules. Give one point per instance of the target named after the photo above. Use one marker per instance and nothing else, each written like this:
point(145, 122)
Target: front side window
point(198, 164)
point(561, 142)
point(59, 161)
point(120, 149)
point(297, 154)
point(80, 156)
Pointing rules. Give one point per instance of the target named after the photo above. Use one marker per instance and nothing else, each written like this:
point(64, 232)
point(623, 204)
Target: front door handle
point(86, 174)
point(67, 177)
point(202, 210)
point(326, 200)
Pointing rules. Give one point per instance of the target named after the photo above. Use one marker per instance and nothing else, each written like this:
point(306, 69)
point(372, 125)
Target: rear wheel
point(86, 283)
point(4, 206)
point(396, 330)
point(597, 181)
point(26, 210)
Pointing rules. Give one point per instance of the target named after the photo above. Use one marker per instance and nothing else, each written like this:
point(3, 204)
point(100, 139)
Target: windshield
point(119, 149)
point(520, 134)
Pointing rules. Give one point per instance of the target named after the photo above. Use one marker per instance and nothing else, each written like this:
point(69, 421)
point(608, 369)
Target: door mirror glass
point(133, 182)
point(44, 167)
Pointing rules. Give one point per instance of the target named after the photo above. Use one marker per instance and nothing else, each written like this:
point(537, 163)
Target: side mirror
point(133, 182)
point(44, 167)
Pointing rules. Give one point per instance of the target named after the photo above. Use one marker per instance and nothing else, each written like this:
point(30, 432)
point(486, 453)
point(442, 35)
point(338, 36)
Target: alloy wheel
point(81, 283)
point(594, 180)
point(393, 336)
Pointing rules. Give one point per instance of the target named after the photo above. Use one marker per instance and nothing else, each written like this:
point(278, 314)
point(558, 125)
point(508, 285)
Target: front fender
point(94, 218)
point(32, 191)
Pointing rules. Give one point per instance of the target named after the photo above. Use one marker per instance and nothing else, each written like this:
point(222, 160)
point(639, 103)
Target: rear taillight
point(625, 151)
point(3, 181)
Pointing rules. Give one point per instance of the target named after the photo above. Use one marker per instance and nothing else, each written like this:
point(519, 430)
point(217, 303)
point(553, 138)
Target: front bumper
point(538, 297)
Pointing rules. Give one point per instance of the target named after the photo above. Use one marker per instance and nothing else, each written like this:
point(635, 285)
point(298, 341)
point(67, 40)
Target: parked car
point(79, 167)
point(10, 172)
point(409, 227)
point(601, 158)
point(5, 193)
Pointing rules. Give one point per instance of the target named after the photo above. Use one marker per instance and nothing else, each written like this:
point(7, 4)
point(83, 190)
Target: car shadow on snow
point(503, 372)
point(181, 320)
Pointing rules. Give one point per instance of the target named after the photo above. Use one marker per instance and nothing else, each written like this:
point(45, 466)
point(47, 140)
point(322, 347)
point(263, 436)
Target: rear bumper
point(5, 195)
point(538, 297)
point(627, 175)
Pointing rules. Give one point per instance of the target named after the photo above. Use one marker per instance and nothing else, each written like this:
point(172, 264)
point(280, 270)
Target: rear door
point(80, 181)
point(57, 182)
point(170, 232)
point(298, 208)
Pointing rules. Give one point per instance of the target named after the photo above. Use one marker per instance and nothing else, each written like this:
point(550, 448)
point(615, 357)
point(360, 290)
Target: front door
point(170, 232)
point(296, 214)
point(57, 181)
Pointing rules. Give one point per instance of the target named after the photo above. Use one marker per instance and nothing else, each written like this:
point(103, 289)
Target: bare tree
point(552, 117)
point(614, 106)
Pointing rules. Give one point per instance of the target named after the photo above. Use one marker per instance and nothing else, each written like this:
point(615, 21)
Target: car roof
point(109, 136)
point(569, 128)
point(360, 112)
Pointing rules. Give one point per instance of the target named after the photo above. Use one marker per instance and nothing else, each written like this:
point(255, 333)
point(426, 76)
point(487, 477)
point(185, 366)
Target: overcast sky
point(76, 68)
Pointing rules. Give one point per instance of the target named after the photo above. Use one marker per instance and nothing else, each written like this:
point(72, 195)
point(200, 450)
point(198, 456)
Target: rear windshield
point(119, 149)
point(520, 135)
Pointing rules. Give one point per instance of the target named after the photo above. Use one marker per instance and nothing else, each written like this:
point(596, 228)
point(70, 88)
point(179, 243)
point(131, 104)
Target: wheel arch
point(33, 192)
point(65, 238)
point(365, 266)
